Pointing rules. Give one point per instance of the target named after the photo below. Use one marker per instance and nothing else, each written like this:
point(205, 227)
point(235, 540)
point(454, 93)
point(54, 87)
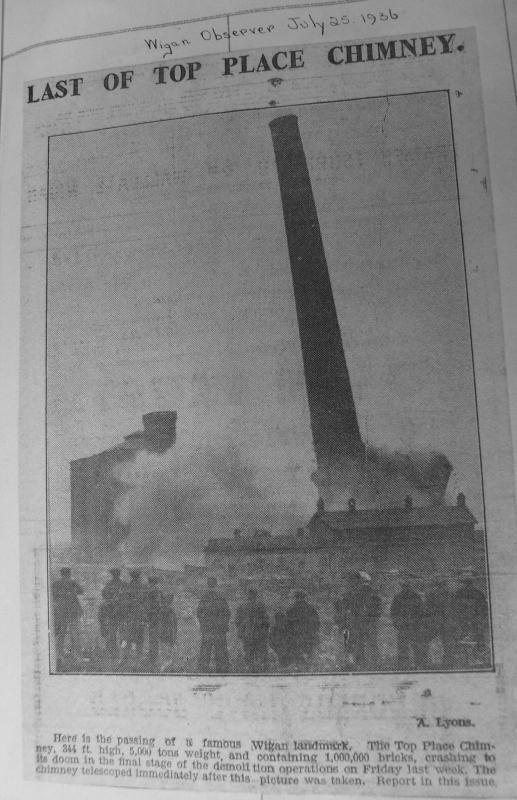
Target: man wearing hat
point(67, 612)
point(358, 614)
point(111, 612)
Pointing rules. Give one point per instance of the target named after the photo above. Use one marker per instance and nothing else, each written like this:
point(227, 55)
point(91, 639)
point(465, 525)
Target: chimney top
point(408, 502)
point(163, 420)
point(160, 430)
point(460, 500)
point(351, 505)
point(283, 121)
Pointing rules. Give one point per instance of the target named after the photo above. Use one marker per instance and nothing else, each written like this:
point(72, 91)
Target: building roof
point(334, 522)
point(416, 517)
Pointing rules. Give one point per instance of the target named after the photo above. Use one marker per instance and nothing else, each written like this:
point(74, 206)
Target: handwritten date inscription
point(228, 32)
point(322, 25)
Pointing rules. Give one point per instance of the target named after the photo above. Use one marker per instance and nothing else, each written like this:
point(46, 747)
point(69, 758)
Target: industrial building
point(95, 488)
point(419, 542)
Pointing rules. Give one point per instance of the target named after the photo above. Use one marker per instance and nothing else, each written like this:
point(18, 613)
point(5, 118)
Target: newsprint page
point(266, 476)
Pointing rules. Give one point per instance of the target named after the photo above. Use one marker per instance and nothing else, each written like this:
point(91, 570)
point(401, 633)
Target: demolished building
point(95, 487)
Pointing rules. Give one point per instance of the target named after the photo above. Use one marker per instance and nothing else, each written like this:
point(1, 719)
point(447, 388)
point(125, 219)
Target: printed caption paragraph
point(393, 764)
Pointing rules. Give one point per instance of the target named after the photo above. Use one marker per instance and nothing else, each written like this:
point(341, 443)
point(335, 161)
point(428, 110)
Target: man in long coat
point(470, 610)
point(135, 614)
point(303, 626)
point(112, 611)
point(357, 616)
point(407, 614)
point(252, 624)
point(440, 621)
point(213, 613)
point(67, 612)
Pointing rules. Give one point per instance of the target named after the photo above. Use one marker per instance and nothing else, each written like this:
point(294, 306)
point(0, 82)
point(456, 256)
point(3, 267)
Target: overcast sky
point(170, 286)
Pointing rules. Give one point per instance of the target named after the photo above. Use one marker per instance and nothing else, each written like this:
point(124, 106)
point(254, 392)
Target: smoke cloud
point(176, 501)
point(382, 479)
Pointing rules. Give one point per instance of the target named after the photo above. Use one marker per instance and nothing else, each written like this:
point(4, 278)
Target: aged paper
point(266, 478)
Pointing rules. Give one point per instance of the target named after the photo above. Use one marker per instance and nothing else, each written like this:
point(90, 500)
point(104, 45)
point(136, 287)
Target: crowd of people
point(135, 612)
point(457, 620)
point(128, 611)
point(292, 637)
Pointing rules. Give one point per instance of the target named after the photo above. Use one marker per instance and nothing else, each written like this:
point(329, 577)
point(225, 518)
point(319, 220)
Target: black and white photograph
point(262, 437)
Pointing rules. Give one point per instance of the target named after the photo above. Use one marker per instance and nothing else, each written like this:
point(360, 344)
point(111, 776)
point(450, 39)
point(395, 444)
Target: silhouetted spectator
point(303, 625)
point(67, 612)
point(407, 614)
point(213, 613)
point(440, 622)
point(252, 624)
point(470, 610)
point(135, 614)
point(357, 616)
point(112, 610)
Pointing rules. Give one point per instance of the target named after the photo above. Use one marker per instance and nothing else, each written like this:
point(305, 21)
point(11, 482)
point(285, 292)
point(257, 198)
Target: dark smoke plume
point(382, 479)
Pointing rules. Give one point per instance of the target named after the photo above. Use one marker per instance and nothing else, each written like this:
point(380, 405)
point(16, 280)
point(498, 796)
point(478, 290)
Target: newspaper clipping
point(266, 475)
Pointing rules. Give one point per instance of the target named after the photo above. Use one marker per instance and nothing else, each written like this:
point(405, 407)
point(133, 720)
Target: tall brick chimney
point(335, 429)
